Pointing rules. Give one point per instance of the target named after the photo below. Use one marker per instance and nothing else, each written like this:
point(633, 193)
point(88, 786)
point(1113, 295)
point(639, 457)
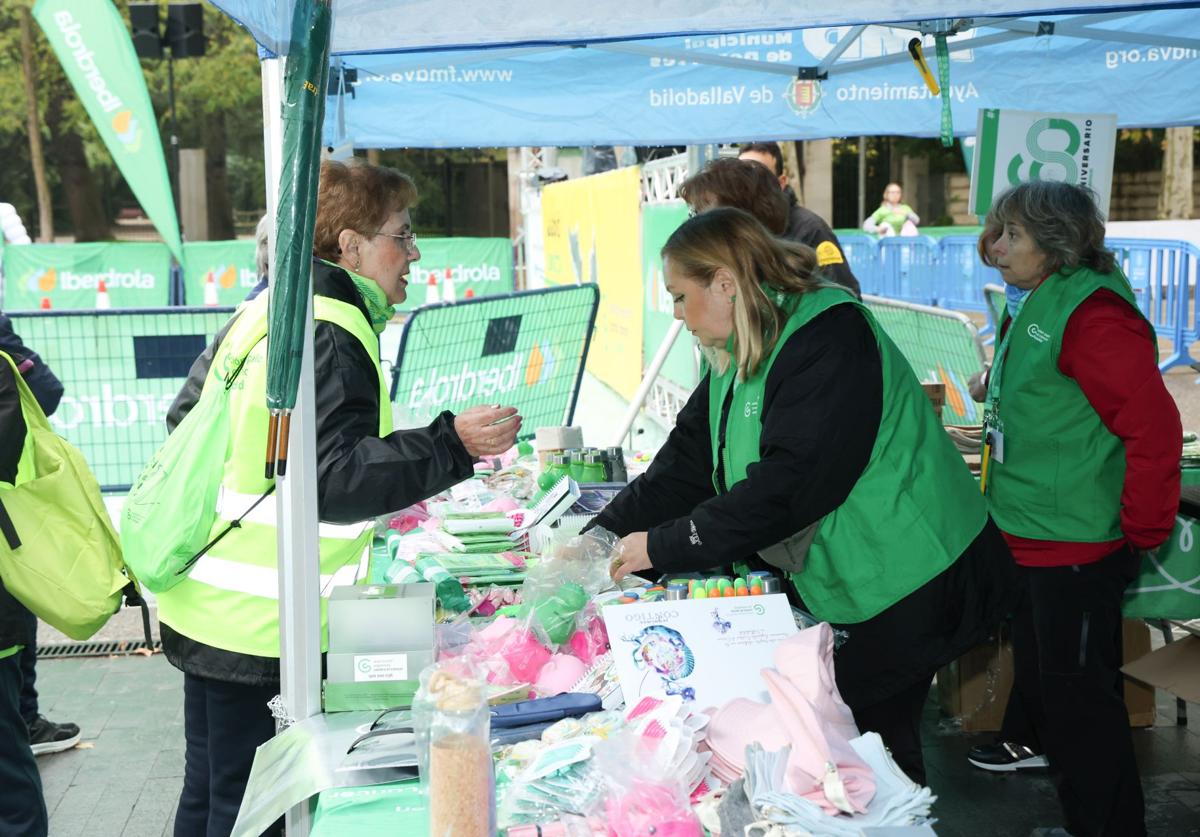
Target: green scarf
point(378, 308)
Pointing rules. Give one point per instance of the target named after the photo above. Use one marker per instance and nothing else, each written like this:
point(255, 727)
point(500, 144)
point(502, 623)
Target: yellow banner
point(593, 234)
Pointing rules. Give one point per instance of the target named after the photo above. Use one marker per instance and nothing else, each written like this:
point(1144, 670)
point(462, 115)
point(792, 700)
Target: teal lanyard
point(991, 409)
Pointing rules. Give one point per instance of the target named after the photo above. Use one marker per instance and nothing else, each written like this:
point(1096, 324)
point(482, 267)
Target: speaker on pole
point(185, 30)
point(143, 23)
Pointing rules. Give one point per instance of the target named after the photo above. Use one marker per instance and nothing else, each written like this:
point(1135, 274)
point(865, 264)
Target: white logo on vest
point(1035, 331)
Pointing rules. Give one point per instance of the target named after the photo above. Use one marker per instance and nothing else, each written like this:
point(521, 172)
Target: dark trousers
point(1068, 694)
point(223, 724)
point(28, 663)
point(22, 806)
point(897, 719)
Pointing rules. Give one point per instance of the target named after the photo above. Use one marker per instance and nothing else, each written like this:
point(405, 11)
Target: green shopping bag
point(167, 519)
point(59, 555)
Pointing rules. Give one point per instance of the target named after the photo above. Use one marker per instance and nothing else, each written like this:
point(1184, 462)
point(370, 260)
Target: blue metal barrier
point(1163, 275)
point(963, 275)
point(909, 269)
point(862, 254)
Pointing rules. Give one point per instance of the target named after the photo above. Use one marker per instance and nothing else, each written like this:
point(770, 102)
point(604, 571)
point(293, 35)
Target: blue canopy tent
point(569, 72)
point(476, 80)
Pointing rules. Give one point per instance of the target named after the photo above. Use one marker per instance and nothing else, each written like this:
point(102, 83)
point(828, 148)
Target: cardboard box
point(975, 687)
point(1139, 697)
point(1174, 667)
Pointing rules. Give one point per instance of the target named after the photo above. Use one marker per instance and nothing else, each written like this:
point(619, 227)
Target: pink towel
point(806, 712)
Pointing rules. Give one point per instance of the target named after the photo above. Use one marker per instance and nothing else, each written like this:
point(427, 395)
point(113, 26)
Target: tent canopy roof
point(371, 26)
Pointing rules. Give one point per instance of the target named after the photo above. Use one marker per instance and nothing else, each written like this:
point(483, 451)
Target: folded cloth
point(807, 718)
point(897, 802)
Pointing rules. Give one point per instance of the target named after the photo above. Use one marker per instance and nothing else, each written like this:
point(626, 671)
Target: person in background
point(45, 736)
point(750, 187)
point(810, 446)
point(22, 805)
point(1084, 444)
point(220, 625)
point(802, 225)
point(893, 216)
point(262, 256)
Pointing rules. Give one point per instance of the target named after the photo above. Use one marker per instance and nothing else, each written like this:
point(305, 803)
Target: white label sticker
point(380, 667)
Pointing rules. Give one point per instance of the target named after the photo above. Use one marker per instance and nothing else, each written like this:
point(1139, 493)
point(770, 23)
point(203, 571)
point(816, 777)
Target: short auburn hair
point(742, 184)
point(357, 196)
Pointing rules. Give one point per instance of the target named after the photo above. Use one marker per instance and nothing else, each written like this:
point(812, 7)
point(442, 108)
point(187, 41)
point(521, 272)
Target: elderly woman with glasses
point(220, 625)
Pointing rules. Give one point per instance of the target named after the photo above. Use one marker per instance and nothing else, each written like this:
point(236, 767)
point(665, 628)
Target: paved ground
point(124, 779)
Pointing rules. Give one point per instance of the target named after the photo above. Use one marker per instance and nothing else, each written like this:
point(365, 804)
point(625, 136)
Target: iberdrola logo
point(540, 365)
point(41, 281)
point(129, 132)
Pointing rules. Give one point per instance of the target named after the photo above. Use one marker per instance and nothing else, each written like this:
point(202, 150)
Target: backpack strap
point(233, 524)
point(8, 529)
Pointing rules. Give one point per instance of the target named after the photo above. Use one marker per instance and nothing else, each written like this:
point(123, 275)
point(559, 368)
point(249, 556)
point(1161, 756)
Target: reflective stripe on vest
point(263, 582)
point(231, 506)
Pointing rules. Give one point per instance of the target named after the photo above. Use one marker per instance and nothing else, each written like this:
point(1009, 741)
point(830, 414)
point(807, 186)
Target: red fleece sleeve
point(1104, 349)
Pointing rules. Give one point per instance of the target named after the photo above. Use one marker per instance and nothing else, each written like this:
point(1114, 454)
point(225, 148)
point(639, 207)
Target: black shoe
point(1005, 757)
point(45, 736)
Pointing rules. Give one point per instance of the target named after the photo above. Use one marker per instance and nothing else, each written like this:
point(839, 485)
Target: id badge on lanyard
point(993, 426)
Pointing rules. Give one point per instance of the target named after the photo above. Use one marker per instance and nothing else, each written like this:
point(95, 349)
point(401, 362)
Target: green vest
point(230, 599)
point(913, 511)
point(1063, 471)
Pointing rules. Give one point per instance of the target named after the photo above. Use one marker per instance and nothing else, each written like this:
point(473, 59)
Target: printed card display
point(708, 651)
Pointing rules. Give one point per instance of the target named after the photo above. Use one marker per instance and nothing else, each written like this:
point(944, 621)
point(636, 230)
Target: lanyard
point(993, 391)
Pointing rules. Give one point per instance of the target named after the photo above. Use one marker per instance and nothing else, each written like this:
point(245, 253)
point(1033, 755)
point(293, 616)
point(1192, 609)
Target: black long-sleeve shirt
point(821, 410)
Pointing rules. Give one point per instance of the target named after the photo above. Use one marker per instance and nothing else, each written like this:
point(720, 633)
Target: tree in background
point(218, 101)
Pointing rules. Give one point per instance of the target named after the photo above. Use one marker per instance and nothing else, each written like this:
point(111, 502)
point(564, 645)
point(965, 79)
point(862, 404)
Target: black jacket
point(12, 431)
point(45, 385)
point(359, 475)
point(821, 409)
point(806, 227)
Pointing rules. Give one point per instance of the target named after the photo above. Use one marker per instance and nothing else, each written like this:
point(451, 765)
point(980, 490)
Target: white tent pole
point(639, 397)
point(296, 499)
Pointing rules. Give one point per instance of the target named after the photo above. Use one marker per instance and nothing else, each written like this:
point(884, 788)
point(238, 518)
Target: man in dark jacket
point(22, 806)
point(750, 187)
point(45, 736)
point(803, 225)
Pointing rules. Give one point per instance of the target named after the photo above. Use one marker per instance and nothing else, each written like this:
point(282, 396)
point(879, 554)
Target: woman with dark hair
point(1083, 446)
point(811, 446)
point(220, 625)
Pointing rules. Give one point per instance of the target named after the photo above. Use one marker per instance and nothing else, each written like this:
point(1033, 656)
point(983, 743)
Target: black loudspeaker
point(185, 30)
point(143, 23)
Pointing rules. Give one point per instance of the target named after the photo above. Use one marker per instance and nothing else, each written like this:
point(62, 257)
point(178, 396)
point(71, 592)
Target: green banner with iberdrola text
point(96, 52)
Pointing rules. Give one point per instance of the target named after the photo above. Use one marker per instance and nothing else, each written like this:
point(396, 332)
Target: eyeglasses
point(407, 239)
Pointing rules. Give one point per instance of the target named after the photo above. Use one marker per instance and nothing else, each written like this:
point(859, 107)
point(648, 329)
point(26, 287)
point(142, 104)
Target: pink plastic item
point(559, 675)
point(650, 809)
point(591, 642)
point(503, 503)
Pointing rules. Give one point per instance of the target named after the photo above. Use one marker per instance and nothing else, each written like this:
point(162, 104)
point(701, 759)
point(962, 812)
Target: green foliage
point(225, 81)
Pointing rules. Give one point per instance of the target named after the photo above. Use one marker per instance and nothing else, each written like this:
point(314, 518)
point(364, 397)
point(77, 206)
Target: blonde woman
point(811, 446)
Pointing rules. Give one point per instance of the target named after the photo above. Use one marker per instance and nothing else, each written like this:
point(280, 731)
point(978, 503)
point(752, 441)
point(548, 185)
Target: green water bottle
point(593, 467)
point(556, 469)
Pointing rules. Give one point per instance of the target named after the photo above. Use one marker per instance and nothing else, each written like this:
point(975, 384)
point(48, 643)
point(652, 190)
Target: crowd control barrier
point(524, 349)
point(941, 346)
point(120, 370)
point(1163, 276)
point(948, 273)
